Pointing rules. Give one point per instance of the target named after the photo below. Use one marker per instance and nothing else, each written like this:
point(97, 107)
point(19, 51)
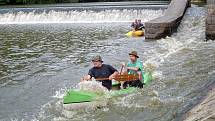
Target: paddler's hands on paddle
point(131, 68)
point(123, 64)
point(124, 68)
point(112, 76)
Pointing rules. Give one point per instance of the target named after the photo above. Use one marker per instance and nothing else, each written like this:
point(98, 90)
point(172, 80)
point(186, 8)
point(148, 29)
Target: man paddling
point(100, 70)
point(134, 66)
point(137, 25)
point(140, 25)
point(134, 25)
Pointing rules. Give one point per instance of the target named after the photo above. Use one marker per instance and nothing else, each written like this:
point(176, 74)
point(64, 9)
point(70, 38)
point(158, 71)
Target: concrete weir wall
point(169, 22)
point(210, 20)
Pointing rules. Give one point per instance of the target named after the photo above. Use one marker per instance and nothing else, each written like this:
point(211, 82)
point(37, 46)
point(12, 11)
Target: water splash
point(92, 86)
point(60, 93)
point(189, 31)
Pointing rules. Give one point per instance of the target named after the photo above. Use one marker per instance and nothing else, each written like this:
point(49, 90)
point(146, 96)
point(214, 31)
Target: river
point(45, 54)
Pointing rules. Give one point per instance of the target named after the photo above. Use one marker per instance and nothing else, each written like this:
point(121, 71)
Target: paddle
point(121, 70)
point(120, 78)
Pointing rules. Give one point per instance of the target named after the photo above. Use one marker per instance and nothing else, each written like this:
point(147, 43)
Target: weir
point(73, 16)
point(169, 22)
point(83, 13)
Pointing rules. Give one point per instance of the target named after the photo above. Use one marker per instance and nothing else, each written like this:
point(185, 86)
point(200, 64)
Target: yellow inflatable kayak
point(135, 33)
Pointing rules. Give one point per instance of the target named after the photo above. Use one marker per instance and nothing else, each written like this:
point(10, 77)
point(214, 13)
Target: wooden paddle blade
point(126, 77)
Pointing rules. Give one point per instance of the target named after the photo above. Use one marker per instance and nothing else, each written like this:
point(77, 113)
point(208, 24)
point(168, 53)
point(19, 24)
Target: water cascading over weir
point(81, 13)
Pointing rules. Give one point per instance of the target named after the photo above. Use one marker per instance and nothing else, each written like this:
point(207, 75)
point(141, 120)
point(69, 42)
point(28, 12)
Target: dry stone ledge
point(168, 23)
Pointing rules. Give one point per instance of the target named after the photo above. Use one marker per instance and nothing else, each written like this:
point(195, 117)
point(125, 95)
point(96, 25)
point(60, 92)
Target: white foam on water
point(189, 31)
point(73, 16)
point(173, 45)
point(173, 100)
point(211, 72)
point(92, 86)
point(127, 101)
point(45, 110)
point(60, 93)
point(157, 74)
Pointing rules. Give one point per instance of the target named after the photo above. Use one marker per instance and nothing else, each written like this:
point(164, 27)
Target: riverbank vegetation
point(15, 2)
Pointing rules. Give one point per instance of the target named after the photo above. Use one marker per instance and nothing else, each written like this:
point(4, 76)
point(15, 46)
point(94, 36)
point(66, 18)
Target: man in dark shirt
point(137, 25)
point(101, 70)
point(134, 25)
point(140, 25)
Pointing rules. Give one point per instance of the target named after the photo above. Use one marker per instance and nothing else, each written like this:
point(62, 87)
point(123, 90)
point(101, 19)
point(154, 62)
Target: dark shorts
point(136, 83)
point(107, 84)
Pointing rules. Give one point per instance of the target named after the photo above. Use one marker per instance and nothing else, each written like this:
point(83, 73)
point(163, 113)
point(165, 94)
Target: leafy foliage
point(59, 1)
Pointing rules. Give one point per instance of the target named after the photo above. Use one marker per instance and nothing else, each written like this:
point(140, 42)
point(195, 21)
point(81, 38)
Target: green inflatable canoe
point(80, 96)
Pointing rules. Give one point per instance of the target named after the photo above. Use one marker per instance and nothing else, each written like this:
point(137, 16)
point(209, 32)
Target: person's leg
point(136, 83)
point(107, 84)
point(124, 85)
point(139, 84)
point(140, 75)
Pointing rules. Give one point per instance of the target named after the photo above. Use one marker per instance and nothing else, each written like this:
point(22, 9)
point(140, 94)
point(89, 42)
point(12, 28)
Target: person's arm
point(124, 71)
point(133, 68)
point(142, 26)
point(113, 75)
point(113, 71)
point(132, 25)
point(89, 76)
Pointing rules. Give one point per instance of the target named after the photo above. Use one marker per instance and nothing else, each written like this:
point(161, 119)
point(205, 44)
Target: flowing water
point(74, 16)
point(40, 61)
